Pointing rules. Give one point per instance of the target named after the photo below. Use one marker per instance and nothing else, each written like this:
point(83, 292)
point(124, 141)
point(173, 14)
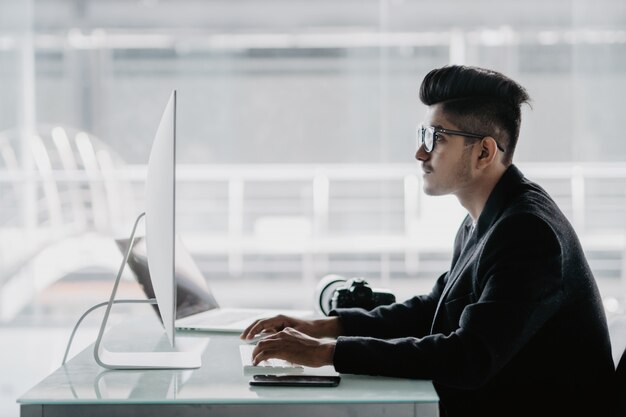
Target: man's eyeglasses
point(427, 136)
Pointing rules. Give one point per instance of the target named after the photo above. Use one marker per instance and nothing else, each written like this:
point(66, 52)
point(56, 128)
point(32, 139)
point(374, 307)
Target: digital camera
point(356, 292)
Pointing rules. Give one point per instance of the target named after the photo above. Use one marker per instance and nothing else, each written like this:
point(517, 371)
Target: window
point(296, 125)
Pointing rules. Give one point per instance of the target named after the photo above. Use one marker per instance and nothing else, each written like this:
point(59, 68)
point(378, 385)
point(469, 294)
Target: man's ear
point(488, 151)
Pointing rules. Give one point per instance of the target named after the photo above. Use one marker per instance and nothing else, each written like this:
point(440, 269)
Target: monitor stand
point(139, 360)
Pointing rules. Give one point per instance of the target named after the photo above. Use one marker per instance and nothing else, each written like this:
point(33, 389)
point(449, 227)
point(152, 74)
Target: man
point(516, 327)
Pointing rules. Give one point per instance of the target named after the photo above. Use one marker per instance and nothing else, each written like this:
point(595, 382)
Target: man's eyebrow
point(437, 126)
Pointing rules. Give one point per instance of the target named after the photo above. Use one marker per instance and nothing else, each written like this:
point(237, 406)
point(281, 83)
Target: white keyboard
point(269, 366)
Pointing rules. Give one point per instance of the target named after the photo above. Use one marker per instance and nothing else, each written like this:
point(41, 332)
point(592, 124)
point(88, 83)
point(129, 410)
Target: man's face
point(447, 169)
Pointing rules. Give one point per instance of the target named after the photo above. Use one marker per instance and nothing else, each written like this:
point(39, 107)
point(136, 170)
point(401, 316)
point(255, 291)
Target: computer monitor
point(160, 192)
point(161, 217)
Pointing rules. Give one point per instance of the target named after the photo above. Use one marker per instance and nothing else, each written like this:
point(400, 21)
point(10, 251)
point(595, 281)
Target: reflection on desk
point(81, 387)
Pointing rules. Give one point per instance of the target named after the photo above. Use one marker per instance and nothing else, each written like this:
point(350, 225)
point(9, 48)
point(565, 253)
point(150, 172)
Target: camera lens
point(325, 292)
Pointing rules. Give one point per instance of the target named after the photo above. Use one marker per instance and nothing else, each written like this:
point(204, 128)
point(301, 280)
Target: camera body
point(356, 292)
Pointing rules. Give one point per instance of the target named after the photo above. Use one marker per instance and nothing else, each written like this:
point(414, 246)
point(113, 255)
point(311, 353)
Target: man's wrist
point(328, 327)
point(329, 352)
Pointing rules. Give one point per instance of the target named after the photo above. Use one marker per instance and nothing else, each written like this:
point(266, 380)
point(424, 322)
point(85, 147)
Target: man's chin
point(432, 191)
point(429, 191)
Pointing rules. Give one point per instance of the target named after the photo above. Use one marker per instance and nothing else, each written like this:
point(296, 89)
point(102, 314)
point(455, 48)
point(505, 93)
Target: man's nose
point(421, 154)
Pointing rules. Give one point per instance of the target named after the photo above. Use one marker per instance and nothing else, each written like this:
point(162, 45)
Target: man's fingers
point(248, 330)
point(270, 325)
point(255, 328)
point(258, 327)
point(290, 331)
point(263, 351)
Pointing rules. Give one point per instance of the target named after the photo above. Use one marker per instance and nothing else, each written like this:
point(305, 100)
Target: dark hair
point(483, 101)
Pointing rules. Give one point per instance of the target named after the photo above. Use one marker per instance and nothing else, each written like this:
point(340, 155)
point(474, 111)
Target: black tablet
point(295, 380)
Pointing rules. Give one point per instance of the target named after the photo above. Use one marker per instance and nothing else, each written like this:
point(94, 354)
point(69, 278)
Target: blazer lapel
point(468, 252)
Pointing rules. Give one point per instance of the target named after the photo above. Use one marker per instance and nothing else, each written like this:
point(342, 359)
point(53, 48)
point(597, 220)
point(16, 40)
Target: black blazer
point(516, 327)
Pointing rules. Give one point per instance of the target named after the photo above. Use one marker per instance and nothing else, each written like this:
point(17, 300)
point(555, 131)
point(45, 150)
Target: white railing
point(308, 214)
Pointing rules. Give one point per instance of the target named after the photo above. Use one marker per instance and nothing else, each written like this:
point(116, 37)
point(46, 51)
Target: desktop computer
point(160, 247)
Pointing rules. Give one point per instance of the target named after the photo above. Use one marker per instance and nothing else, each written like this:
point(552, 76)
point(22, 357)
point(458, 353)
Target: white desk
point(218, 388)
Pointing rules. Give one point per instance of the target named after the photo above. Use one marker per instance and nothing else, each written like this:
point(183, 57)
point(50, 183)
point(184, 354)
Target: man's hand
point(294, 346)
point(327, 327)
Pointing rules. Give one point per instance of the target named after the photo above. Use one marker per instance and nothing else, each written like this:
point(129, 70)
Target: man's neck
point(474, 197)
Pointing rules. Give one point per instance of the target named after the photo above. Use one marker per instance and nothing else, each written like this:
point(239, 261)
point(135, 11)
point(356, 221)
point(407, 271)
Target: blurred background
point(295, 148)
